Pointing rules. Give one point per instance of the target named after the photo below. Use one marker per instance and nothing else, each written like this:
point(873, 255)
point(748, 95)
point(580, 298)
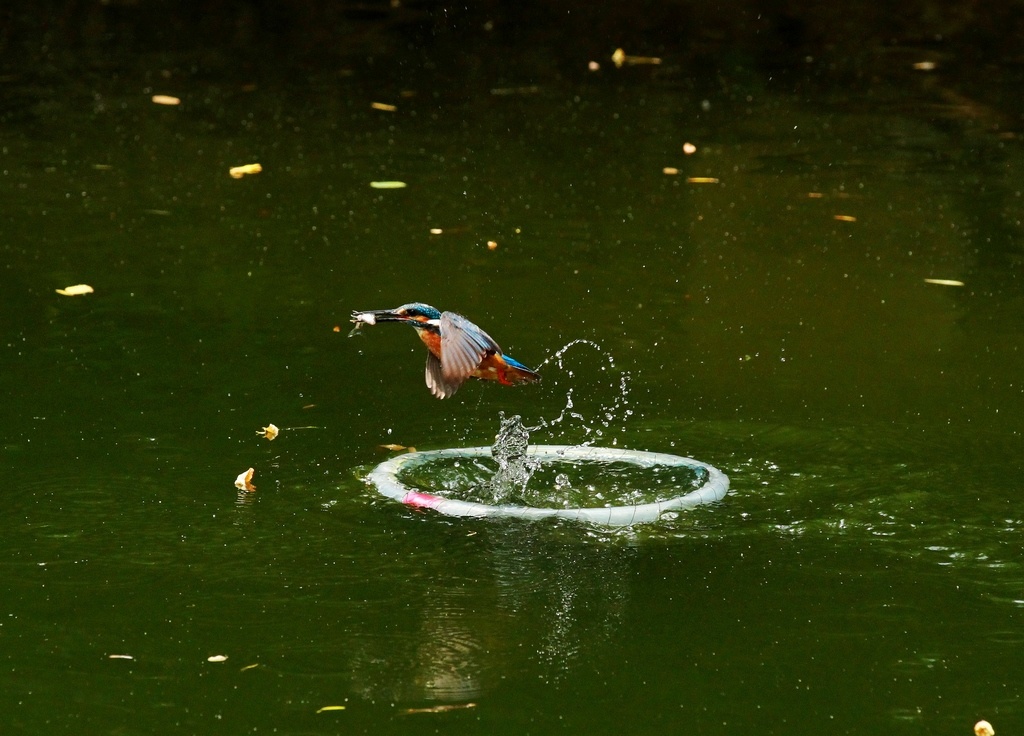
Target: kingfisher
point(458, 348)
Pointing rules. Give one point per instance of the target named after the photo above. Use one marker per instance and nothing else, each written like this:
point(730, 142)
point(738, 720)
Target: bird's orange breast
point(432, 340)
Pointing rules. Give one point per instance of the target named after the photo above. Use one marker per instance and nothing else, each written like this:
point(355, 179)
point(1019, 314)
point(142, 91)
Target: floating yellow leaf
point(270, 432)
point(844, 218)
point(620, 57)
point(76, 290)
point(166, 100)
point(383, 106)
point(388, 184)
point(244, 481)
point(944, 282)
point(237, 172)
point(328, 708)
point(701, 180)
point(217, 658)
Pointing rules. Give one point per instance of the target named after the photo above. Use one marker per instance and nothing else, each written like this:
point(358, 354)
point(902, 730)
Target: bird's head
point(416, 314)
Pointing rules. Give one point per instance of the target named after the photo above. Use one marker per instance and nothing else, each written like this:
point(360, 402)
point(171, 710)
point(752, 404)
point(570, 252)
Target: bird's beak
point(377, 315)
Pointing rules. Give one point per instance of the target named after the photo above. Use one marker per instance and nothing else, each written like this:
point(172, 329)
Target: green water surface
point(863, 576)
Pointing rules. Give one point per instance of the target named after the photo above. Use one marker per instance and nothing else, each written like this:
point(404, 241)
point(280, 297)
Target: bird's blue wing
point(463, 346)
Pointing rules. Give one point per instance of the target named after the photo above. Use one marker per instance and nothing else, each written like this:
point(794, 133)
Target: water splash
point(594, 423)
point(510, 482)
point(515, 469)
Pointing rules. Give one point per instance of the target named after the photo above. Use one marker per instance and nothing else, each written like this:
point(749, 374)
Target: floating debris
point(76, 290)
point(844, 218)
point(385, 107)
point(506, 91)
point(166, 100)
point(128, 656)
point(217, 658)
point(439, 708)
point(689, 149)
point(924, 66)
point(492, 245)
point(237, 172)
point(244, 481)
point(701, 180)
point(388, 184)
point(984, 728)
point(329, 708)
point(944, 282)
point(670, 171)
point(270, 432)
point(620, 57)
point(436, 231)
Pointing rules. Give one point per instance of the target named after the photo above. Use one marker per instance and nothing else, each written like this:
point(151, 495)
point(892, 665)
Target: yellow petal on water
point(270, 432)
point(244, 481)
point(383, 106)
point(670, 170)
point(984, 728)
point(166, 100)
point(237, 172)
point(844, 218)
point(76, 290)
point(388, 184)
point(120, 656)
point(329, 708)
point(217, 658)
point(701, 180)
point(689, 149)
point(620, 57)
point(944, 282)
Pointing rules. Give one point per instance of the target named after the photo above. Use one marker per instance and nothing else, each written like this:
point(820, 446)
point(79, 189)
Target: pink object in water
point(422, 500)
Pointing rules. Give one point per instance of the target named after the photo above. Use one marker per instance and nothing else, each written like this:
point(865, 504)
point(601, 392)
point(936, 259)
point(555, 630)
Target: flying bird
point(458, 348)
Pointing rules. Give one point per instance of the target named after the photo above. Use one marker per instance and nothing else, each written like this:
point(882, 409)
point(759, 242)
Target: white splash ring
point(385, 478)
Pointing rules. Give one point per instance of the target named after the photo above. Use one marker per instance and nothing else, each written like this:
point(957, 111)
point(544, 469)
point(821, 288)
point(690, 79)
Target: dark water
point(864, 575)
